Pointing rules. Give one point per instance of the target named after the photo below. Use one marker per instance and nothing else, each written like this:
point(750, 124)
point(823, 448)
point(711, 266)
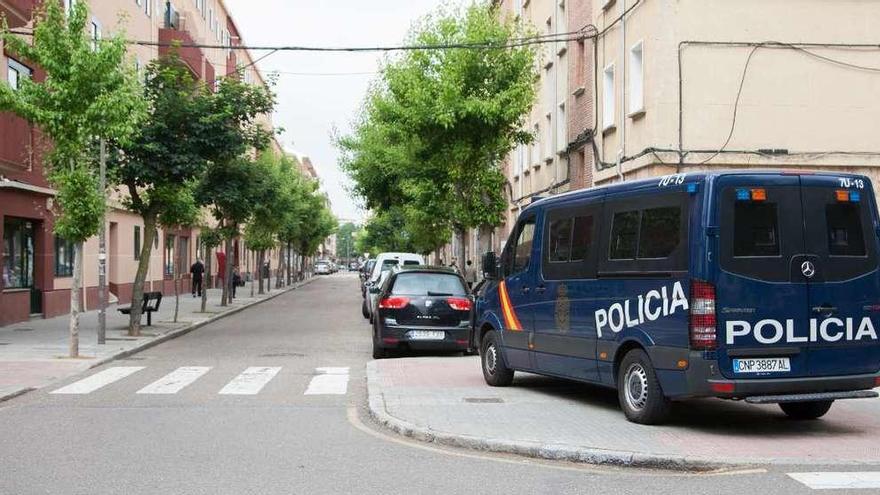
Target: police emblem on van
point(650, 306)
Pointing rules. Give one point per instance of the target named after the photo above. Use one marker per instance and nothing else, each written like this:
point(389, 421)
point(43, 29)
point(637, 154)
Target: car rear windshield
point(428, 284)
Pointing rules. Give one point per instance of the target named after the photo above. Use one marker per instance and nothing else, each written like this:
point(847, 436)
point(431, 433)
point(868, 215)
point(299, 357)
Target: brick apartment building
point(37, 266)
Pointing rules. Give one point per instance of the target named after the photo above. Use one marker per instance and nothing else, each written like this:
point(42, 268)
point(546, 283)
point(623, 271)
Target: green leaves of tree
point(435, 127)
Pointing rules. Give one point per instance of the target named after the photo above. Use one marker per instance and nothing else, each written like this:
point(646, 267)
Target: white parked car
point(322, 268)
point(384, 262)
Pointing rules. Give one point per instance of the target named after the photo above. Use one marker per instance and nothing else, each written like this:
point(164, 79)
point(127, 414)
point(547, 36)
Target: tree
point(89, 93)
point(160, 166)
point(345, 236)
point(271, 199)
point(224, 186)
point(436, 127)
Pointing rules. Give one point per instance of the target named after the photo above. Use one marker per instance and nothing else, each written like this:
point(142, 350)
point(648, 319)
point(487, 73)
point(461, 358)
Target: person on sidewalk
point(236, 280)
point(470, 275)
point(454, 265)
point(197, 270)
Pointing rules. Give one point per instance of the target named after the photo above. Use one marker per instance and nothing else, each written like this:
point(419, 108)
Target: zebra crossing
point(330, 380)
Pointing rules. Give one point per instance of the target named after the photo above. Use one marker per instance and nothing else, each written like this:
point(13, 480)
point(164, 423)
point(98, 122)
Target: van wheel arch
point(622, 350)
point(486, 328)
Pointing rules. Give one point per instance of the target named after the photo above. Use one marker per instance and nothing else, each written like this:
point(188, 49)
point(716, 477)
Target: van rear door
point(761, 296)
point(840, 230)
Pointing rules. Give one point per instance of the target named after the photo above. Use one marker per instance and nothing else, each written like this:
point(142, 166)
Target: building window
point(137, 242)
point(535, 147)
point(63, 257)
point(95, 28)
point(561, 130)
point(15, 72)
point(183, 249)
point(18, 253)
point(68, 7)
point(169, 254)
point(636, 79)
point(608, 97)
point(547, 146)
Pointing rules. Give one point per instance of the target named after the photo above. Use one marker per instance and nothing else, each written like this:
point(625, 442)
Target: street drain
point(4, 343)
point(282, 354)
point(133, 358)
point(23, 329)
point(484, 400)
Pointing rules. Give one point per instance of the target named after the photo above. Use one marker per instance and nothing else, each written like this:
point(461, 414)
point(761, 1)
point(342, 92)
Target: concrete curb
point(558, 452)
point(165, 337)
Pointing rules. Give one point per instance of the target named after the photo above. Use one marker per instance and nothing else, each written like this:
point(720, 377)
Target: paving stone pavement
point(444, 400)
point(34, 354)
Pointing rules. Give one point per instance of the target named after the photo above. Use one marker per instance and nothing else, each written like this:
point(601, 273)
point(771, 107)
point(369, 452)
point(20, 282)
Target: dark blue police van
point(753, 285)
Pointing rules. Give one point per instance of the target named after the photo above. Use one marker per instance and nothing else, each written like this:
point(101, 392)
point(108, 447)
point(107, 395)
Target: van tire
point(364, 310)
point(638, 390)
point(495, 370)
point(806, 410)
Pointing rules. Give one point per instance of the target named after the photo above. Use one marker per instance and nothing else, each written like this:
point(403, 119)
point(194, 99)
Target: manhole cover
point(24, 329)
point(282, 354)
point(4, 343)
point(484, 400)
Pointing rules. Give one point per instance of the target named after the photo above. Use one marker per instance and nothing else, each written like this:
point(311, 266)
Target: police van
point(751, 285)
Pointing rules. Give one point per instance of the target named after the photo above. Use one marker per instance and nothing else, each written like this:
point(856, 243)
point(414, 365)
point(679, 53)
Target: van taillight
point(702, 322)
point(394, 302)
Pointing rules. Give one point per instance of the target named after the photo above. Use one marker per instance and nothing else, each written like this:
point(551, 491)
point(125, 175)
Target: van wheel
point(638, 390)
point(364, 309)
point(806, 410)
point(495, 371)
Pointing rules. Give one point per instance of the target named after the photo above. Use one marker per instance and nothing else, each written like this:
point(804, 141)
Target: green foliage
point(88, 94)
point(435, 128)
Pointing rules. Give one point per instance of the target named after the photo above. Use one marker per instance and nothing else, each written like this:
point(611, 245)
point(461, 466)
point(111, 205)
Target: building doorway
point(18, 259)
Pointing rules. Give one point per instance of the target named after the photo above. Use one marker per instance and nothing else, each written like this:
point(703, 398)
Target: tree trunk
point(279, 272)
point(268, 274)
point(253, 254)
point(258, 271)
point(175, 273)
point(226, 298)
point(137, 291)
point(460, 233)
point(206, 277)
point(74, 299)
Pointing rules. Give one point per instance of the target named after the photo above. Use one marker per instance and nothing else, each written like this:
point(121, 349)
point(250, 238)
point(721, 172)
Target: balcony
point(192, 56)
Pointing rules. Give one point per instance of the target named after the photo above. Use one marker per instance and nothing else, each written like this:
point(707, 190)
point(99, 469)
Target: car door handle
point(540, 289)
point(525, 290)
point(825, 309)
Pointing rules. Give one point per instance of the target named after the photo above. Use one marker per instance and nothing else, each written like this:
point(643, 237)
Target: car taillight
point(702, 322)
point(393, 302)
point(459, 303)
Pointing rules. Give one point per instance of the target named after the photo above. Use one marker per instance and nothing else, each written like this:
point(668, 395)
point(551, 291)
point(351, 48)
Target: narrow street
point(181, 418)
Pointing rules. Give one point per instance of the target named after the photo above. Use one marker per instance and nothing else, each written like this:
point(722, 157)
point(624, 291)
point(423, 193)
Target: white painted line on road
point(100, 379)
point(175, 381)
point(250, 381)
point(839, 480)
point(329, 381)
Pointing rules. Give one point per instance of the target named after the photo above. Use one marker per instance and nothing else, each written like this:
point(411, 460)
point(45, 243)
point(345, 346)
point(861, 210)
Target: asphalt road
point(193, 440)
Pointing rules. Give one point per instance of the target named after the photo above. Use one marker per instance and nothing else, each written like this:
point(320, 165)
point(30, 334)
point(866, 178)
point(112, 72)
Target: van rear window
point(756, 229)
point(844, 229)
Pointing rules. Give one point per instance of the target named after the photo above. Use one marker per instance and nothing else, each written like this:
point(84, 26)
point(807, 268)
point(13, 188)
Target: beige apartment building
point(693, 84)
point(37, 266)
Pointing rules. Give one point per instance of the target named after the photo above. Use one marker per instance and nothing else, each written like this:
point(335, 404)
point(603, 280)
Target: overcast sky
point(309, 107)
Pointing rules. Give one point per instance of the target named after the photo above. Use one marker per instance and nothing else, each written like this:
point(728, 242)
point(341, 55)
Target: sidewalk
point(33, 354)
point(445, 400)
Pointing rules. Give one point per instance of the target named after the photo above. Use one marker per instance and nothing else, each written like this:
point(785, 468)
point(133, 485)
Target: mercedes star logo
point(808, 269)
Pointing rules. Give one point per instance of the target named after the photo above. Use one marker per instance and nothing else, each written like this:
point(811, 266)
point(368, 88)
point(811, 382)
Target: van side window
point(844, 230)
point(624, 235)
point(659, 234)
point(755, 229)
point(570, 239)
point(581, 238)
point(523, 250)
point(569, 233)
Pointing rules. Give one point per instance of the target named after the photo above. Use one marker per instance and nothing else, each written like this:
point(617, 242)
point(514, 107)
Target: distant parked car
point(353, 266)
point(322, 268)
point(385, 262)
point(421, 308)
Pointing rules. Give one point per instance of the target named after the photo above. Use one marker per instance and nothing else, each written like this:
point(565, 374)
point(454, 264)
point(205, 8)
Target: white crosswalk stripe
point(839, 480)
point(250, 381)
point(176, 380)
point(100, 379)
point(329, 381)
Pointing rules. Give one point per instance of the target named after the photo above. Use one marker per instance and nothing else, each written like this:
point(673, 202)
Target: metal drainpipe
point(555, 102)
point(622, 152)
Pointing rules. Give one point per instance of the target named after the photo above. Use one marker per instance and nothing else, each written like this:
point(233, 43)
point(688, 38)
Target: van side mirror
point(489, 265)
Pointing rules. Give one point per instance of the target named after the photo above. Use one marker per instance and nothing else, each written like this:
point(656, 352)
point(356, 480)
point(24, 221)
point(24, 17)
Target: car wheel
point(495, 370)
point(638, 390)
point(378, 352)
point(364, 310)
point(806, 410)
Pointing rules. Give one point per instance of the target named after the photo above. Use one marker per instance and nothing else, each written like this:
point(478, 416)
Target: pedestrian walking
point(236, 280)
point(470, 275)
point(454, 265)
point(197, 270)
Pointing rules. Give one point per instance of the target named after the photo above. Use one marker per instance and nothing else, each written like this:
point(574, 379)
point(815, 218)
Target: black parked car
point(422, 308)
point(366, 269)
